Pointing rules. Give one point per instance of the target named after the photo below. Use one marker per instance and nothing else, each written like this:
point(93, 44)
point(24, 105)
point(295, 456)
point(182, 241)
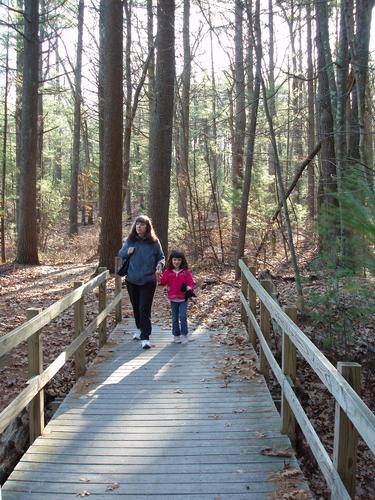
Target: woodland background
point(242, 128)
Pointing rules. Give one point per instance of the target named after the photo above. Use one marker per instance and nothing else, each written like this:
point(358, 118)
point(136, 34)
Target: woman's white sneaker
point(137, 336)
point(184, 339)
point(146, 344)
point(177, 340)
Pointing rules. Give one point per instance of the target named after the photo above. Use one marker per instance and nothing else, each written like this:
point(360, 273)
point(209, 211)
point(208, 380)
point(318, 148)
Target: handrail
point(32, 328)
point(359, 414)
point(28, 328)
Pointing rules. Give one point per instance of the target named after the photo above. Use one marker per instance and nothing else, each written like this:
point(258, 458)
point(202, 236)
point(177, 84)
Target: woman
point(146, 261)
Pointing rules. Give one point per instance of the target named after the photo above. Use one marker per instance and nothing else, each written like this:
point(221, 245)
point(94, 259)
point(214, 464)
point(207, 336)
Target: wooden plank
point(289, 364)
point(79, 325)
point(259, 471)
point(345, 435)
point(35, 361)
point(265, 326)
point(118, 289)
point(150, 468)
point(178, 487)
point(252, 303)
point(357, 411)
point(62, 496)
point(102, 306)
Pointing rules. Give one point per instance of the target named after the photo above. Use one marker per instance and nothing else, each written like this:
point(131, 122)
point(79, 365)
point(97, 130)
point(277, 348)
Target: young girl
point(178, 278)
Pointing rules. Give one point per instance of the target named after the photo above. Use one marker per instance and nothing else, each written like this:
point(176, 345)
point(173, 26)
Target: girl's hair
point(150, 235)
point(177, 255)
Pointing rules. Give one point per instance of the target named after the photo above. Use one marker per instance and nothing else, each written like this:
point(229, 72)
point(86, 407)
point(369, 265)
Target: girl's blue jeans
point(179, 318)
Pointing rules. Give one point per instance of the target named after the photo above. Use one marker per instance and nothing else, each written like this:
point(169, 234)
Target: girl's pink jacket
point(174, 282)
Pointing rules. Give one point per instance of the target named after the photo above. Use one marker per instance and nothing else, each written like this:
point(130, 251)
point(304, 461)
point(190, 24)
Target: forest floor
point(216, 307)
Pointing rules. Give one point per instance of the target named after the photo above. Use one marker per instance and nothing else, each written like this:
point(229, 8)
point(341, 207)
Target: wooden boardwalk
point(158, 424)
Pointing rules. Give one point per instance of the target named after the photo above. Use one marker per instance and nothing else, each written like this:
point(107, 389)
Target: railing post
point(346, 435)
point(79, 325)
point(102, 306)
point(244, 291)
point(251, 296)
point(265, 326)
point(35, 357)
point(288, 421)
point(118, 289)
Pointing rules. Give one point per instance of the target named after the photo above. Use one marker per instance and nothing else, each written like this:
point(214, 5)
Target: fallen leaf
point(84, 493)
point(274, 452)
point(113, 486)
point(260, 435)
point(178, 391)
point(85, 479)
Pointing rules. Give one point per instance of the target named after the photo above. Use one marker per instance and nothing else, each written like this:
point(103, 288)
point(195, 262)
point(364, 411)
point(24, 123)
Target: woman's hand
point(158, 271)
point(131, 250)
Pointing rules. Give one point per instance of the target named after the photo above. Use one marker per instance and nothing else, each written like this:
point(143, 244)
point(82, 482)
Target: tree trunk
point(58, 149)
point(215, 173)
point(311, 116)
point(18, 111)
point(151, 80)
point(271, 89)
point(129, 95)
point(249, 152)
point(328, 186)
point(239, 123)
point(280, 181)
point(185, 114)
point(4, 151)
point(73, 208)
point(111, 227)
point(359, 55)
point(27, 243)
point(162, 119)
point(102, 57)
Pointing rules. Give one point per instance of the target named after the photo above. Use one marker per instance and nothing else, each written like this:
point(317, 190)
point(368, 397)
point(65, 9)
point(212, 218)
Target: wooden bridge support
point(265, 326)
point(252, 298)
point(244, 291)
point(102, 306)
point(288, 421)
point(79, 325)
point(118, 287)
point(346, 435)
point(35, 358)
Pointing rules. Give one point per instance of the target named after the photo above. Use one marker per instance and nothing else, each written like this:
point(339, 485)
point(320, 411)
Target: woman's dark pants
point(141, 297)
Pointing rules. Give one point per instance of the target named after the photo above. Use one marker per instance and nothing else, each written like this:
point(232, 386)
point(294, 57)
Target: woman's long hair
point(178, 255)
point(150, 235)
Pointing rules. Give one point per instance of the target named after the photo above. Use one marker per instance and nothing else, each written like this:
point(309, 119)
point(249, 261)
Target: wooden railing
point(31, 331)
point(352, 416)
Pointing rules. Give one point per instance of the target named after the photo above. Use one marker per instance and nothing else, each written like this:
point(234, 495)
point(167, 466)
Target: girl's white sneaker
point(137, 335)
point(177, 340)
point(184, 339)
point(146, 344)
